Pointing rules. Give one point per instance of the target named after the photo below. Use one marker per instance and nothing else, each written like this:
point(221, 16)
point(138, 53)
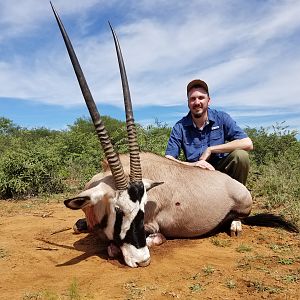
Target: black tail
point(270, 220)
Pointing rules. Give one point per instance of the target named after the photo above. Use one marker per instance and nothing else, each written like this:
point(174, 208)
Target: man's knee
point(241, 161)
point(236, 165)
point(241, 157)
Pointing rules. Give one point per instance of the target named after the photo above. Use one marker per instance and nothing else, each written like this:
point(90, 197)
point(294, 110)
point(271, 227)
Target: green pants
point(236, 164)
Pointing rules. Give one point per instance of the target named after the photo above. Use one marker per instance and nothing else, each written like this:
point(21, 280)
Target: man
point(210, 139)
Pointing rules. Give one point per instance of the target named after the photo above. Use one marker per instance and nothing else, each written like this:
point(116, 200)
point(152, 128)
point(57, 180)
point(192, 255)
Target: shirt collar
point(206, 123)
point(211, 116)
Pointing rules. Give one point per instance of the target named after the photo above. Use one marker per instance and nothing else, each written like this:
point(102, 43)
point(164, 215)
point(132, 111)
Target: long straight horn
point(112, 157)
point(135, 164)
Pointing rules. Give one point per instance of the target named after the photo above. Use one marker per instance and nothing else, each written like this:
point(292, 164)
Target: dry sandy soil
point(41, 258)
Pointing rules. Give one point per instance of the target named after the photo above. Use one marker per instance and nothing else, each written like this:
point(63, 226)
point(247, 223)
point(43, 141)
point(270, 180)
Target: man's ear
point(149, 184)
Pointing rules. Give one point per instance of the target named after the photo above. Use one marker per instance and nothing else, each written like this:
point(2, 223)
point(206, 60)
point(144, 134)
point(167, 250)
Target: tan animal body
point(191, 201)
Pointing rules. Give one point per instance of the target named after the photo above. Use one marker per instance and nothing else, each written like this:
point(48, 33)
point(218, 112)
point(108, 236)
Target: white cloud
point(25, 17)
point(239, 51)
point(281, 19)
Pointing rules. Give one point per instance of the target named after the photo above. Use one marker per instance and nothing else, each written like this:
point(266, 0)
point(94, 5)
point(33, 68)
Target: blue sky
point(247, 51)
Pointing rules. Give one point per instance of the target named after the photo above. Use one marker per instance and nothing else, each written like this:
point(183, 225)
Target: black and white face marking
point(119, 215)
point(126, 225)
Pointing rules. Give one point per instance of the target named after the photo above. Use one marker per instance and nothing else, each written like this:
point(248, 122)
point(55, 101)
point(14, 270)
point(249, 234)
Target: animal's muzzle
point(144, 263)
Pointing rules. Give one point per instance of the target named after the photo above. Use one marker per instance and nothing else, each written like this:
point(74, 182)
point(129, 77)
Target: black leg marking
point(80, 226)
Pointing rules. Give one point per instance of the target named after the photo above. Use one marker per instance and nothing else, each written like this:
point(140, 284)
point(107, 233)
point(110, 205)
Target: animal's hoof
point(236, 228)
point(235, 233)
point(113, 251)
point(155, 239)
point(80, 226)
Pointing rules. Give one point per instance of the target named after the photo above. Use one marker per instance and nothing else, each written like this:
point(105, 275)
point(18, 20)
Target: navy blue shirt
point(220, 128)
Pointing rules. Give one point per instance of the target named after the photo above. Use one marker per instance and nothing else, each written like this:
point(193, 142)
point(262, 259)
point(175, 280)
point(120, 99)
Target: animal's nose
point(144, 263)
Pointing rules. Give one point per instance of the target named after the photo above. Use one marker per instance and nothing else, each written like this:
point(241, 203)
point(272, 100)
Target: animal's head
point(120, 209)
point(120, 215)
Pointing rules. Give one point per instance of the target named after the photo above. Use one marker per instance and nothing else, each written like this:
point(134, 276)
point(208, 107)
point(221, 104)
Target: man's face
point(198, 101)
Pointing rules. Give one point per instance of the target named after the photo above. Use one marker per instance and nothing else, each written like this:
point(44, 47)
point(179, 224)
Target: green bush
point(7, 127)
point(275, 173)
point(29, 172)
point(268, 145)
point(80, 156)
point(154, 138)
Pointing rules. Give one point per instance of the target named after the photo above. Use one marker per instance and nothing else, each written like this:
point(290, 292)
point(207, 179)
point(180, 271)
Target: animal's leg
point(154, 237)
point(151, 227)
point(80, 226)
point(113, 250)
point(242, 209)
point(236, 228)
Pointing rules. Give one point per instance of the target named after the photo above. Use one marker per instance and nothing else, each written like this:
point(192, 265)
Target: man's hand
point(200, 163)
point(204, 165)
point(206, 154)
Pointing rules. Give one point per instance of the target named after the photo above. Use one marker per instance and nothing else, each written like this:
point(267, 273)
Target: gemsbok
point(186, 201)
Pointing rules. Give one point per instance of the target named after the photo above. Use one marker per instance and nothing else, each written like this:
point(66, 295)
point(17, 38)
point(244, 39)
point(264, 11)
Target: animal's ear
point(149, 184)
point(77, 202)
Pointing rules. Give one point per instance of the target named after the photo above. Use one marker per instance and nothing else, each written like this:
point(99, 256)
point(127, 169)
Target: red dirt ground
point(41, 258)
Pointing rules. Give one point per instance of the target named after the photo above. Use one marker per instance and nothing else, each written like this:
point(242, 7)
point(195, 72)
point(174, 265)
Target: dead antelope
point(192, 202)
